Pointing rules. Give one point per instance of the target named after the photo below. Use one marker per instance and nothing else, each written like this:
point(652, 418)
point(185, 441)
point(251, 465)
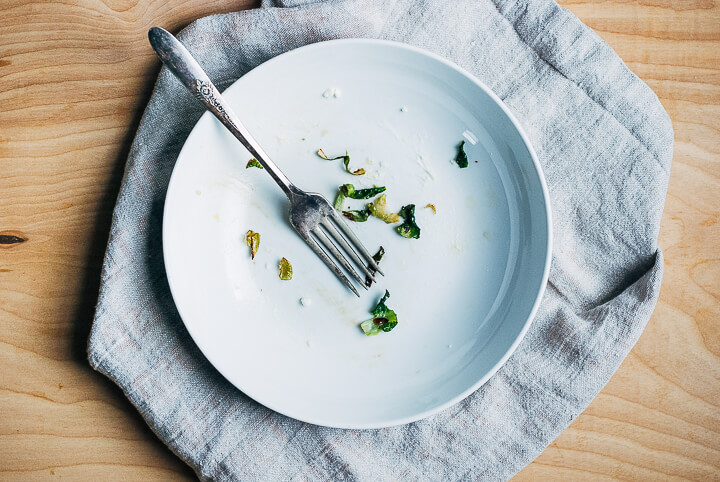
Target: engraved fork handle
point(177, 58)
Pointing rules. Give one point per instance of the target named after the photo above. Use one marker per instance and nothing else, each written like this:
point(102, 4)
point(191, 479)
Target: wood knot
point(8, 239)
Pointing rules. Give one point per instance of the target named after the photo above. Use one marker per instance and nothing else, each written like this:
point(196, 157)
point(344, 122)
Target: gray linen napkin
point(605, 144)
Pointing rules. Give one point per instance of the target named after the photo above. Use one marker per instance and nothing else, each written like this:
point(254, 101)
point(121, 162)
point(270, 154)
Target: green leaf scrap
point(349, 190)
point(379, 255)
point(376, 257)
point(408, 229)
point(339, 200)
point(254, 163)
point(346, 162)
point(461, 158)
point(384, 319)
point(358, 216)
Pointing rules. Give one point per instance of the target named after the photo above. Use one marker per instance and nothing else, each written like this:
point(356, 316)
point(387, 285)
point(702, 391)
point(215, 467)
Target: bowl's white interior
point(463, 292)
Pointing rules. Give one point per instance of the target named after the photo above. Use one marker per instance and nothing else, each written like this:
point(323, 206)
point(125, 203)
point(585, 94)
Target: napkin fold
point(605, 144)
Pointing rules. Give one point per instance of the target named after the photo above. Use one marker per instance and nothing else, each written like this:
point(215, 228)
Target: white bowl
point(465, 292)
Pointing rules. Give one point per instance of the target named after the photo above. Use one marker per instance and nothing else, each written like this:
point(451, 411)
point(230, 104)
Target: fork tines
point(329, 238)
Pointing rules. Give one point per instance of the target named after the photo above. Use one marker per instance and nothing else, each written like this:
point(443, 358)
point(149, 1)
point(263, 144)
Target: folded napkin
point(605, 144)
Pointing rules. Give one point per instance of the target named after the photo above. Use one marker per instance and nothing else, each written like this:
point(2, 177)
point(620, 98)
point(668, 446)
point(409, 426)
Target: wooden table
point(76, 75)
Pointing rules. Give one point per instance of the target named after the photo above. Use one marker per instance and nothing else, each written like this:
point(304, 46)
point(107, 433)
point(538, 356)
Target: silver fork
point(312, 216)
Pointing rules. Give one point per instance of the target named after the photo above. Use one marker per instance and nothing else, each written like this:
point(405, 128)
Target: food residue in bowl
point(461, 158)
point(384, 319)
point(346, 162)
point(331, 93)
point(285, 270)
point(253, 163)
point(252, 239)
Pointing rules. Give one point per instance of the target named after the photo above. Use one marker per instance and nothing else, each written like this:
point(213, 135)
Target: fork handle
point(177, 58)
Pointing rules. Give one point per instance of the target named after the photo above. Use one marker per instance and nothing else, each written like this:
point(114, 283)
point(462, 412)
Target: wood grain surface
point(75, 76)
